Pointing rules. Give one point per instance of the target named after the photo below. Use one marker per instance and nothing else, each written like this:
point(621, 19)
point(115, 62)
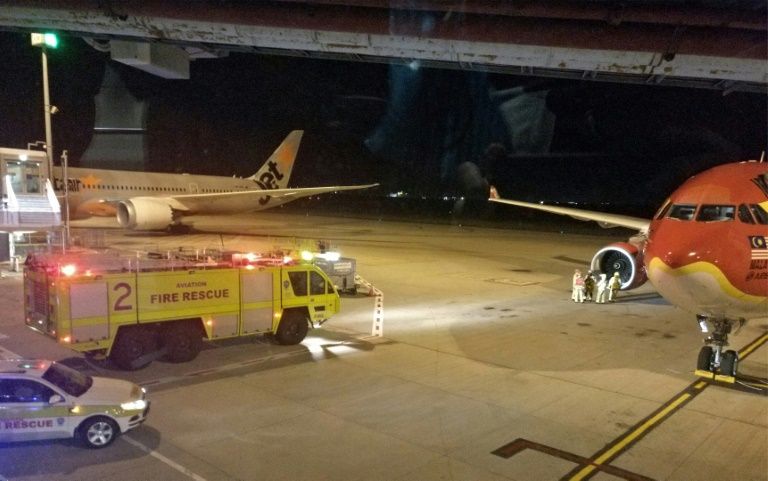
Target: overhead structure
point(704, 44)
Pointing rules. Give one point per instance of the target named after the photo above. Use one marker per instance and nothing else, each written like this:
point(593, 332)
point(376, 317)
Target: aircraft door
point(193, 188)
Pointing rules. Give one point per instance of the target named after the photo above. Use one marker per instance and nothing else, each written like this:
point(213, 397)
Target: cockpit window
point(744, 214)
point(663, 210)
point(682, 211)
point(761, 216)
point(716, 213)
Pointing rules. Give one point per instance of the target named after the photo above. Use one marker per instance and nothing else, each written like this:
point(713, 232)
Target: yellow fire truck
point(136, 308)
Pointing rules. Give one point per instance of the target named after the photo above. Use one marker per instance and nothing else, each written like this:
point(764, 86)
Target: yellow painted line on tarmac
point(615, 448)
point(754, 345)
point(642, 429)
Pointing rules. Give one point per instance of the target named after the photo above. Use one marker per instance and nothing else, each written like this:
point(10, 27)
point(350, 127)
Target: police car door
point(27, 413)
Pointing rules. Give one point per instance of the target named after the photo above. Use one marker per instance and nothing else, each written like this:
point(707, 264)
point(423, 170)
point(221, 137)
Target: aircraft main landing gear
point(714, 362)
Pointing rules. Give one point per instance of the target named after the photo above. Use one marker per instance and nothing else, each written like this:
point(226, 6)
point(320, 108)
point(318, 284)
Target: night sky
point(428, 132)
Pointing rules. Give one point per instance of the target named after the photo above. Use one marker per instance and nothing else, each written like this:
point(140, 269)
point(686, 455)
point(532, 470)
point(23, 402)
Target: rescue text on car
point(47, 400)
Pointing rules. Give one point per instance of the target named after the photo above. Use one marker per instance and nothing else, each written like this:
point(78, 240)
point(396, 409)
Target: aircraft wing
point(251, 199)
point(602, 218)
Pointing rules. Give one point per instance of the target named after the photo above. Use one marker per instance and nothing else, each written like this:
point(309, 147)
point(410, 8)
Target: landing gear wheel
point(182, 342)
point(98, 432)
point(705, 359)
point(292, 329)
point(729, 363)
point(131, 346)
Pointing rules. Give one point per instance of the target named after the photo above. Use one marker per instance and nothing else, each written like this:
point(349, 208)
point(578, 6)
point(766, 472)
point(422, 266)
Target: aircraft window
point(682, 211)
point(744, 215)
point(715, 213)
point(760, 214)
point(663, 210)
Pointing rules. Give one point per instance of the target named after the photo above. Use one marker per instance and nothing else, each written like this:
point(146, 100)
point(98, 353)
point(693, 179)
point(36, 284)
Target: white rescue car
point(48, 400)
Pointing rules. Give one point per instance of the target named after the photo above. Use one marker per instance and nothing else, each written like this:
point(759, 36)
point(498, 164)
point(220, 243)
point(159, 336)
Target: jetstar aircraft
point(157, 201)
point(706, 251)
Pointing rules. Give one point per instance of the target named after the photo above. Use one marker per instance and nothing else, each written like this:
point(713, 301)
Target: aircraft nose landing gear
point(714, 362)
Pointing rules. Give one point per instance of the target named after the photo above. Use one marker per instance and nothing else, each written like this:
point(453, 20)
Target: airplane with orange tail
point(159, 201)
point(705, 251)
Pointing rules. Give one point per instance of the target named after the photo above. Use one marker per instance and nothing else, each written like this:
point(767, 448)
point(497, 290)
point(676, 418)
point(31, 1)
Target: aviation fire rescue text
point(201, 295)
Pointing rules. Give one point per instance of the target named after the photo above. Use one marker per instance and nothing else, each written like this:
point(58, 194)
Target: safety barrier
point(377, 328)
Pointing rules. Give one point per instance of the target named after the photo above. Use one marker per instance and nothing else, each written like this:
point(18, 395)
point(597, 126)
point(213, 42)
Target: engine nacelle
point(624, 258)
point(144, 213)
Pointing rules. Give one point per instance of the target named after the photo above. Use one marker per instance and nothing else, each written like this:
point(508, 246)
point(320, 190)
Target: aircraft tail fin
point(276, 171)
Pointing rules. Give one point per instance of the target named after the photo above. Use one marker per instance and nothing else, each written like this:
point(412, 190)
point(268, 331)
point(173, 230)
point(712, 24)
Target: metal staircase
point(29, 212)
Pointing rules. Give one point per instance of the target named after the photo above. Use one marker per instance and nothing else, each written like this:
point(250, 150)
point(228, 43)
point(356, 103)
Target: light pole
point(45, 40)
point(65, 168)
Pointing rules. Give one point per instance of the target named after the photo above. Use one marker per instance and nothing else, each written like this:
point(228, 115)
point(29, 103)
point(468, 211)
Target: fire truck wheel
point(182, 342)
point(292, 329)
point(131, 347)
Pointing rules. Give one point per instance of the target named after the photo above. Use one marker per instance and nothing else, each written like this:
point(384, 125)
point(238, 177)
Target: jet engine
point(145, 213)
point(624, 258)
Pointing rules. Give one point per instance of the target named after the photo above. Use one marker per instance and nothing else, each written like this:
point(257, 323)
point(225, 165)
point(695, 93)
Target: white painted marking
point(7, 354)
point(178, 467)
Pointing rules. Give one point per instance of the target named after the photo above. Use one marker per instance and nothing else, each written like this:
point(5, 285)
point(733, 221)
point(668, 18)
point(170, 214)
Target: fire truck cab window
point(298, 283)
point(316, 283)
point(716, 213)
point(682, 211)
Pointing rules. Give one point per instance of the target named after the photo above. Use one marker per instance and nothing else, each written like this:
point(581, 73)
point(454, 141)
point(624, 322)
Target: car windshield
point(72, 382)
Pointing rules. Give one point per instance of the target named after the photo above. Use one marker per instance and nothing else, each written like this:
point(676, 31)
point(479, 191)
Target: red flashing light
point(69, 270)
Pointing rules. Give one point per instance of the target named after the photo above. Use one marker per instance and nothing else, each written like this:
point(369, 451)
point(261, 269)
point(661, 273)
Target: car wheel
point(292, 329)
point(182, 342)
point(98, 432)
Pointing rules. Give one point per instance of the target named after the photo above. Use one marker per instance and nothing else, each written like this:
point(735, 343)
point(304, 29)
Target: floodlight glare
point(50, 40)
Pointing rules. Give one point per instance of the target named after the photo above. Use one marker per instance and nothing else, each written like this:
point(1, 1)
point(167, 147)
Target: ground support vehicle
point(135, 309)
point(341, 271)
point(48, 400)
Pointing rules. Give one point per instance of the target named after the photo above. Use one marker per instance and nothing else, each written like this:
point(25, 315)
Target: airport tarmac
point(486, 370)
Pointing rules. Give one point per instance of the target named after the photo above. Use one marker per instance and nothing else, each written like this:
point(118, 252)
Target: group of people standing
point(601, 290)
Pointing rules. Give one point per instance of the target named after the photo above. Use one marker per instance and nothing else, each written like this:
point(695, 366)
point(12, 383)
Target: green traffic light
point(51, 40)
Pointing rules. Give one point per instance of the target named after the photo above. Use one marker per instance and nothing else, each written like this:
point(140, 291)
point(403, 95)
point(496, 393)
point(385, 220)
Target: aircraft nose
point(676, 253)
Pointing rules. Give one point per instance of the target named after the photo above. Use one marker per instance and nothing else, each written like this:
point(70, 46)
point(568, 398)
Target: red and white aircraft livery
point(706, 251)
